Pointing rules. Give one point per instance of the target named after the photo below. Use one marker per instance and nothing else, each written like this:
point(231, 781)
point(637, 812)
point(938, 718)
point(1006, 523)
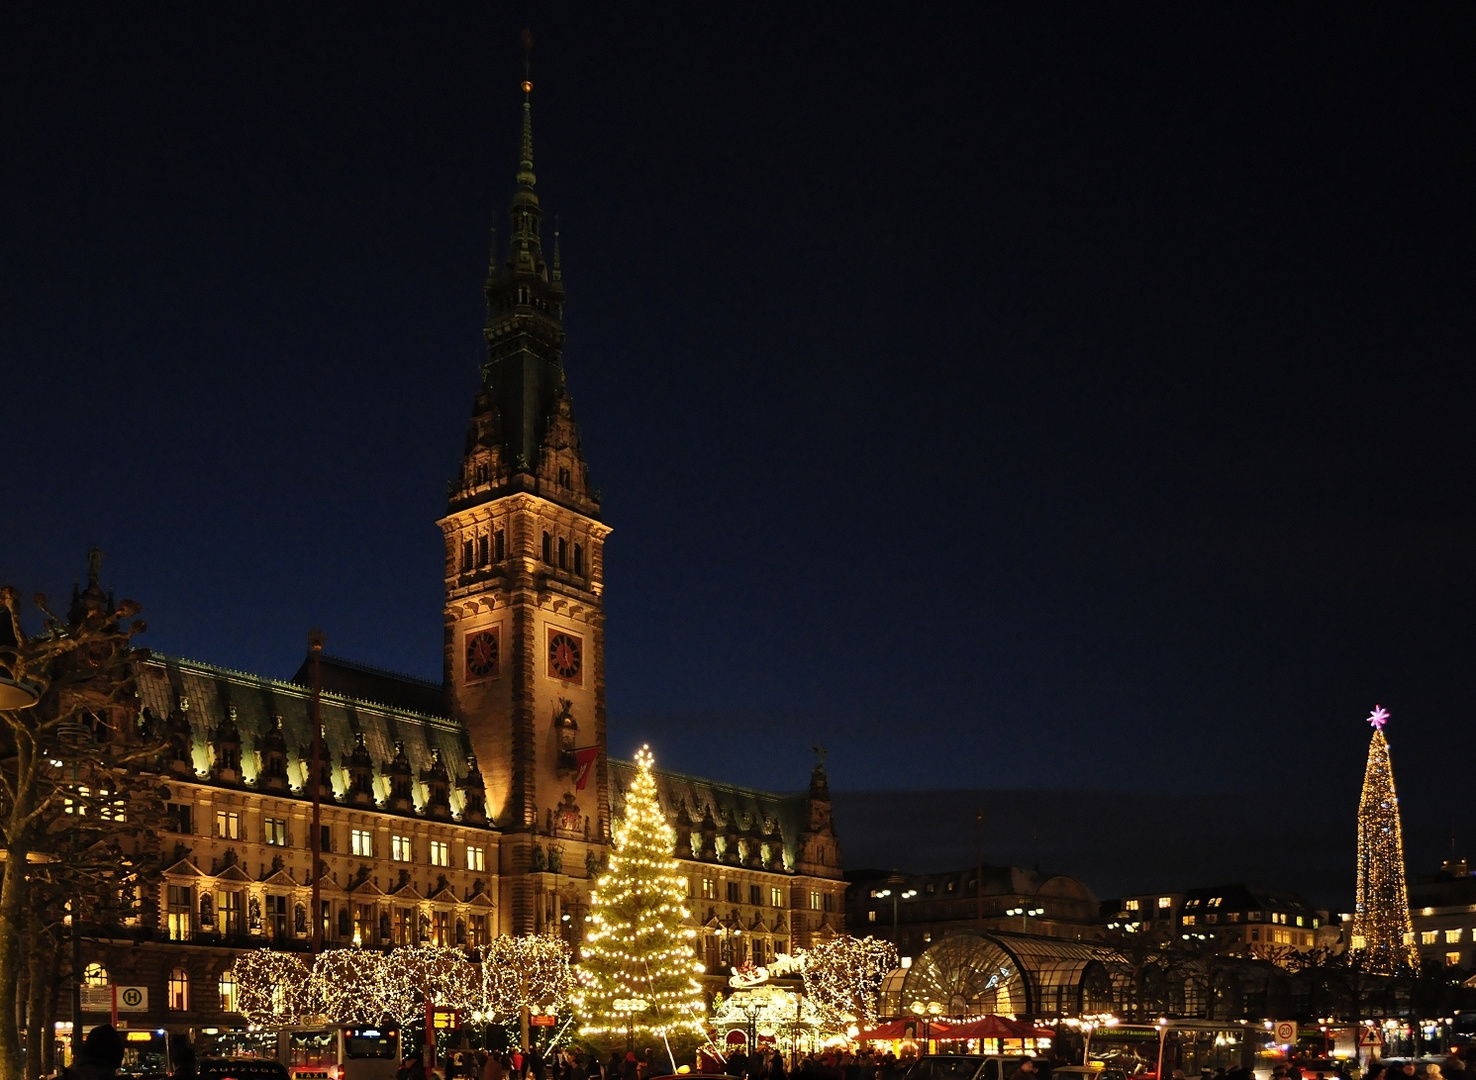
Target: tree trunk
point(12, 917)
point(48, 1013)
point(38, 990)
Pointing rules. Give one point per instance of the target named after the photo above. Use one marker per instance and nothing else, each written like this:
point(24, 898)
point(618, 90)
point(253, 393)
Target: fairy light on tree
point(524, 973)
point(638, 973)
point(1382, 933)
point(842, 975)
point(274, 988)
point(347, 983)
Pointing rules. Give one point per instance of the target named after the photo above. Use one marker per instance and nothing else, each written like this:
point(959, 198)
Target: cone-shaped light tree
point(1382, 935)
point(638, 973)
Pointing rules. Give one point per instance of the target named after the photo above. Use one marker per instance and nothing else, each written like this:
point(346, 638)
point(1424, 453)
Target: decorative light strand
point(638, 973)
point(1383, 936)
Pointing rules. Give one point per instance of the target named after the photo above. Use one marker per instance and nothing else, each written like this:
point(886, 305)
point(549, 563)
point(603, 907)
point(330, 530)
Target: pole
point(114, 995)
point(315, 642)
point(76, 974)
point(979, 863)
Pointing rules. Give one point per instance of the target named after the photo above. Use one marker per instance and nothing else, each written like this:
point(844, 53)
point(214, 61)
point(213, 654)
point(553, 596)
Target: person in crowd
point(1026, 1071)
point(102, 1053)
point(493, 1069)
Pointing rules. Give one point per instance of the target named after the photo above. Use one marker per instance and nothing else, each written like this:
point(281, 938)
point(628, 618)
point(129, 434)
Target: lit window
point(181, 910)
point(709, 889)
point(1188, 920)
point(228, 992)
point(776, 896)
point(179, 990)
point(361, 843)
point(1299, 920)
point(1452, 936)
point(1409, 939)
point(1215, 902)
point(1453, 959)
point(95, 975)
point(1164, 901)
point(401, 849)
point(440, 854)
point(228, 824)
point(871, 916)
point(1131, 905)
point(814, 900)
point(476, 858)
point(274, 831)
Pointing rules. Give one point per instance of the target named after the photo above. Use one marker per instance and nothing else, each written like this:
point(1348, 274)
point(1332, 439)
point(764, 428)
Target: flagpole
point(315, 641)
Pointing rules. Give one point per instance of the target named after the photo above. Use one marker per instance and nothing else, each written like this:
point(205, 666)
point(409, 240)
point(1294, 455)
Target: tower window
point(466, 556)
point(501, 552)
point(481, 474)
point(547, 548)
point(563, 554)
point(564, 478)
point(579, 560)
point(482, 550)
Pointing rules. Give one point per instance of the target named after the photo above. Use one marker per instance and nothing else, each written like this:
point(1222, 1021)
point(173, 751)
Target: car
point(1087, 1072)
point(964, 1067)
point(240, 1068)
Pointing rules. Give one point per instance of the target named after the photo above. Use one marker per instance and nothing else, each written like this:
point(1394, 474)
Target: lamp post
point(894, 890)
point(926, 1012)
point(1025, 913)
point(751, 1007)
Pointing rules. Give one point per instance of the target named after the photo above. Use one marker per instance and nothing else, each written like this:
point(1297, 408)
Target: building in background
point(916, 910)
point(1245, 919)
point(1442, 911)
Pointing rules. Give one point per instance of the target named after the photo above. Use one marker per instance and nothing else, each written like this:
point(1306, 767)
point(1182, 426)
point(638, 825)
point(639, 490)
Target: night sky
point(1065, 397)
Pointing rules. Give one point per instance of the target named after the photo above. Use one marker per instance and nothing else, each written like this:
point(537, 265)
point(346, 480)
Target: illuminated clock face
point(481, 654)
point(565, 656)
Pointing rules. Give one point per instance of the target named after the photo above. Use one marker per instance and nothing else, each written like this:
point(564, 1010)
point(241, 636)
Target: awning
point(901, 1029)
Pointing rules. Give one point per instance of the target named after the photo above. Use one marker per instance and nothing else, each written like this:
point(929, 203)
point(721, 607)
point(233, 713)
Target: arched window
point(579, 559)
point(563, 554)
point(94, 975)
point(179, 990)
point(564, 478)
point(547, 548)
point(228, 992)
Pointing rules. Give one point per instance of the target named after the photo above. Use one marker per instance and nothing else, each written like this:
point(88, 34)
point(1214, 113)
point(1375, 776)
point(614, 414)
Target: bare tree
point(76, 823)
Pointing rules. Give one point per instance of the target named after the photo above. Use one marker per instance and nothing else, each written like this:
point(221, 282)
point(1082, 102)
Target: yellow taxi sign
point(138, 1036)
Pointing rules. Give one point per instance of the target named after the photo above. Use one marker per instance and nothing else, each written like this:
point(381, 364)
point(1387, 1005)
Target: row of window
point(1135, 905)
point(566, 556)
point(1280, 917)
point(230, 912)
point(477, 553)
point(361, 841)
point(818, 901)
point(1433, 937)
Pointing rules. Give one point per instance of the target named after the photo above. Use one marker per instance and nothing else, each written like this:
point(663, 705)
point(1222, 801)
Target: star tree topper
point(1379, 717)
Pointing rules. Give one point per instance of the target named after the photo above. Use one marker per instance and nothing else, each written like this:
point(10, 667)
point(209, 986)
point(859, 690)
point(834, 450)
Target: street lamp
point(1025, 913)
point(927, 1012)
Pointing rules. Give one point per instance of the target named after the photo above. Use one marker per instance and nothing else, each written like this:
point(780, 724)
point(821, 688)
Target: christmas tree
point(1382, 935)
point(638, 973)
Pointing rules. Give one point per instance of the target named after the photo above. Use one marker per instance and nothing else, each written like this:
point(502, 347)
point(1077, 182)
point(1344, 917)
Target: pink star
point(1379, 717)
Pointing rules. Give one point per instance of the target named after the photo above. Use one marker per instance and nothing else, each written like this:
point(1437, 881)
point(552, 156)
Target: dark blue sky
point(1049, 397)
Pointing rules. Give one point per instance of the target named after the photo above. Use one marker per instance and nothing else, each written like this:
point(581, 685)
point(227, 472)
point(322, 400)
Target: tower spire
point(526, 179)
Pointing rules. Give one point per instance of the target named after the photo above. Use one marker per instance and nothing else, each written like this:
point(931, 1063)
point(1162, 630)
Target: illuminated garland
point(273, 988)
point(638, 972)
point(525, 972)
point(842, 976)
point(1382, 934)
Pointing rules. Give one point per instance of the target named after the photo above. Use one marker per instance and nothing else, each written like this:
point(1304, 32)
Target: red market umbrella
point(997, 1027)
point(897, 1029)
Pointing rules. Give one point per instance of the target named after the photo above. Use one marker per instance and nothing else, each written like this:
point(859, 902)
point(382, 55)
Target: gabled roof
point(370, 684)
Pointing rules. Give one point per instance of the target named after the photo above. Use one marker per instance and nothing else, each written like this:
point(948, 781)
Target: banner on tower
point(584, 761)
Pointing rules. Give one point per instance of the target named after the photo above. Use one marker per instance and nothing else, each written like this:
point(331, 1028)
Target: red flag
point(584, 760)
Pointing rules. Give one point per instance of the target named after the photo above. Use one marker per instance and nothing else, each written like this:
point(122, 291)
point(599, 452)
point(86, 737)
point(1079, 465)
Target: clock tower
point(524, 620)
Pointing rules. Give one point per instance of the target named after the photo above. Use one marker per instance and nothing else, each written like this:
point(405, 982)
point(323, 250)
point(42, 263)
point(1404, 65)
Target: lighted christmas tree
point(638, 973)
point(1382, 935)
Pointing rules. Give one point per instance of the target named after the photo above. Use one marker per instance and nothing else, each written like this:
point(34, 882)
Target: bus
point(1151, 1051)
point(330, 1052)
point(145, 1054)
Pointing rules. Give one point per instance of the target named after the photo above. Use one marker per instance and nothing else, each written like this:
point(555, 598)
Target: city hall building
point(456, 811)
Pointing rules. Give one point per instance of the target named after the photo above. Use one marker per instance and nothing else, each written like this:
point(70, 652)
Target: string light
point(525, 972)
point(274, 988)
point(842, 976)
point(1382, 932)
point(638, 973)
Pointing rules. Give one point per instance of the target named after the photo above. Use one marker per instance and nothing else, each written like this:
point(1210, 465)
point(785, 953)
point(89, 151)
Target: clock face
point(565, 656)
point(481, 654)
